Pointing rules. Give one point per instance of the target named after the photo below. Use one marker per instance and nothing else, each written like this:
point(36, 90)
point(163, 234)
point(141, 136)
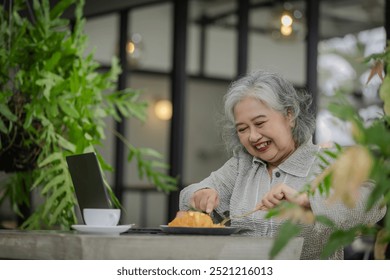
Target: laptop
point(88, 182)
point(89, 186)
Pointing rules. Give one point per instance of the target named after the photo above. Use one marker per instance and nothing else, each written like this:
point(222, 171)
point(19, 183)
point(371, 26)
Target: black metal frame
point(121, 126)
point(178, 96)
point(312, 16)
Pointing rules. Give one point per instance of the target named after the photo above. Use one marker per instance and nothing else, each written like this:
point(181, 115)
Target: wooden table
point(70, 245)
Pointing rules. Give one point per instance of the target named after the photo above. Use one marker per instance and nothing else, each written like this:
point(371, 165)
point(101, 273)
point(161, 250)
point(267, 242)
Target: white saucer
point(102, 229)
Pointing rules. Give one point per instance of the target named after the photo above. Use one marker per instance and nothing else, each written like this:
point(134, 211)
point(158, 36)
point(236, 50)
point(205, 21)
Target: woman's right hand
point(205, 199)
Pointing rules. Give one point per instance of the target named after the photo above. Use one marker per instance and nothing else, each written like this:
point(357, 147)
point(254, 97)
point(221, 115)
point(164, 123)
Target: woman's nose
point(254, 136)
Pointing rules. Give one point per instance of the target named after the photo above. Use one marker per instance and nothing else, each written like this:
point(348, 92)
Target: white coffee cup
point(101, 217)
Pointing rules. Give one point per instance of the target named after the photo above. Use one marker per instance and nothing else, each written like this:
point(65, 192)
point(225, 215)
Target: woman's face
point(264, 132)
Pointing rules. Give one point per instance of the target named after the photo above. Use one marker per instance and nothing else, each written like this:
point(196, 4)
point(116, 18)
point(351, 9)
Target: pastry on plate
point(192, 219)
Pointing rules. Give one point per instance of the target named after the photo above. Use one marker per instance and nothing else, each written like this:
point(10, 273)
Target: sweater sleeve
point(222, 180)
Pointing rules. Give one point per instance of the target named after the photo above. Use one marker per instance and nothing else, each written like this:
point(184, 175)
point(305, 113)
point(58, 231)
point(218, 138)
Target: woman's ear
point(290, 118)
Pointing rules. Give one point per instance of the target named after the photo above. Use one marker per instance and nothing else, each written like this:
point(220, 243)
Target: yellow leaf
point(297, 215)
point(350, 171)
point(386, 108)
point(380, 245)
point(384, 90)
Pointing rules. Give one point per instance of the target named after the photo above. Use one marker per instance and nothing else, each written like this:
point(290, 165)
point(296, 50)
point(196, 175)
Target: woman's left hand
point(283, 192)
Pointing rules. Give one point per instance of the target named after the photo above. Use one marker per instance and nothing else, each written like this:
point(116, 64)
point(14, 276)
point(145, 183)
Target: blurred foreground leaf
point(287, 231)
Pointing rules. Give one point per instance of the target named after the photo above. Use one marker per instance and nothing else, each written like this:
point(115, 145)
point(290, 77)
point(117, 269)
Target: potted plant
point(53, 103)
point(368, 159)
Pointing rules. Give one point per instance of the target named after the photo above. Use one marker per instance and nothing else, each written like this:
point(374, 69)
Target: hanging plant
point(53, 103)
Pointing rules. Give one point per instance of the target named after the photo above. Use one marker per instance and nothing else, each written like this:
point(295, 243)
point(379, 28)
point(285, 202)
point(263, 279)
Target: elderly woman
point(269, 131)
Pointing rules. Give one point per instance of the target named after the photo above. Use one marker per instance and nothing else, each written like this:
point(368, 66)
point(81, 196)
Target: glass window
point(105, 47)
point(349, 32)
point(277, 39)
point(151, 28)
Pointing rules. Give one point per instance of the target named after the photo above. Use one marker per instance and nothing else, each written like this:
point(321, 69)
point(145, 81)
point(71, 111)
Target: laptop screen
point(88, 181)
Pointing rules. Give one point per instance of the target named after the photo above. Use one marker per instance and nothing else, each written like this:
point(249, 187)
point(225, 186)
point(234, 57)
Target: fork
point(227, 219)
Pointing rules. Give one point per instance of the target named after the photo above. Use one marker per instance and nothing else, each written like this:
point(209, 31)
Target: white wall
point(286, 58)
point(204, 151)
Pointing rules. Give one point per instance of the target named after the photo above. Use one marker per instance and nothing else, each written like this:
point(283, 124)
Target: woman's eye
point(259, 124)
point(242, 129)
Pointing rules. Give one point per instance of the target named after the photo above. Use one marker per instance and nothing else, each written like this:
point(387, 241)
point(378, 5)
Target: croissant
point(192, 219)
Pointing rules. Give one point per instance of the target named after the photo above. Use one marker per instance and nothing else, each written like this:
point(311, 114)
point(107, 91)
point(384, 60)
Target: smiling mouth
point(262, 145)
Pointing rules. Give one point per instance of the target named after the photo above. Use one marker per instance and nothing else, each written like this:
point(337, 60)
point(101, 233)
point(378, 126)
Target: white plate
point(200, 230)
point(101, 229)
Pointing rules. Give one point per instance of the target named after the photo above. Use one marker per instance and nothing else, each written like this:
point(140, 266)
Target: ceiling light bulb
point(130, 47)
point(286, 30)
point(286, 20)
point(163, 109)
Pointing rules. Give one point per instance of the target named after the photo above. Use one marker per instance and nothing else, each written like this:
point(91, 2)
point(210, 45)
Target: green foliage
point(287, 231)
point(340, 238)
point(54, 101)
point(376, 138)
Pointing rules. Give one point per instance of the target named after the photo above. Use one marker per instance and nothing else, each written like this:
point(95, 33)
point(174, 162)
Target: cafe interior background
point(215, 41)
